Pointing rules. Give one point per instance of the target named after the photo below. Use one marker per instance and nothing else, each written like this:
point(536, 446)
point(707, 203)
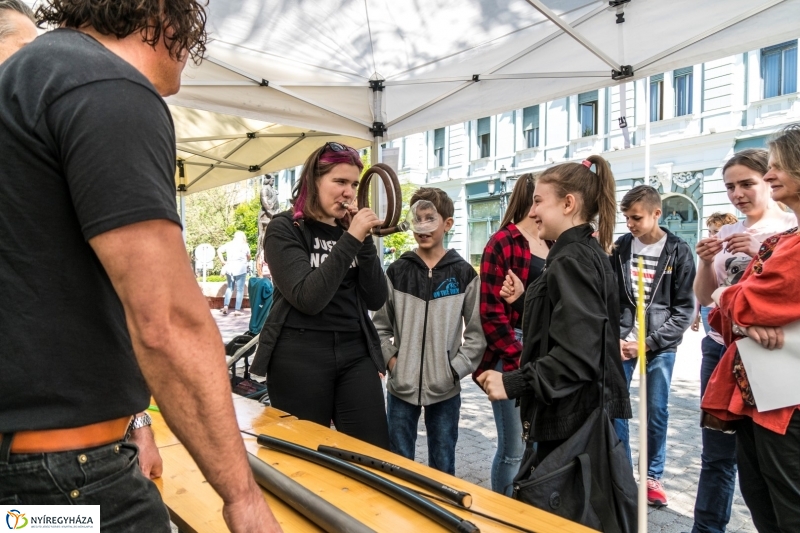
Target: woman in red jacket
point(768, 442)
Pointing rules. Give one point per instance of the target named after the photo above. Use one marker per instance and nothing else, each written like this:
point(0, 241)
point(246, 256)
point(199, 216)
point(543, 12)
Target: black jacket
point(286, 250)
point(671, 307)
point(568, 311)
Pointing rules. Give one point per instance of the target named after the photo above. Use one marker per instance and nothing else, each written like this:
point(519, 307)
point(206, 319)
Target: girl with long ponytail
point(571, 312)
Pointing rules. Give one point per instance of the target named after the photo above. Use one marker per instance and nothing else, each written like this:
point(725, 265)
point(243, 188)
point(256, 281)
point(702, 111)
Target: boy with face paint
point(433, 295)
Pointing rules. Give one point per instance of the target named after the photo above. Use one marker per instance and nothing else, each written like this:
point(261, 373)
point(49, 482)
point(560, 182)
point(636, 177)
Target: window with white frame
point(483, 220)
point(779, 69)
point(587, 113)
point(656, 98)
point(484, 137)
point(438, 147)
point(684, 81)
point(530, 126)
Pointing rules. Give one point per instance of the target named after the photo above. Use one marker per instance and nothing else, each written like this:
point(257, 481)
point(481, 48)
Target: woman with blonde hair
point(234, 267)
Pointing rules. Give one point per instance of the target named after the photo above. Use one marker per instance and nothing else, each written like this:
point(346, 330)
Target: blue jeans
point(510, 446)
point(239, 281)
point(109, 476)
point(441, 422)
point(659, 377)
point(712, 508)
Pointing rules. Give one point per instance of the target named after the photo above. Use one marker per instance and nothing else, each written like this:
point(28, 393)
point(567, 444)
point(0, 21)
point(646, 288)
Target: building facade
point(698, 117)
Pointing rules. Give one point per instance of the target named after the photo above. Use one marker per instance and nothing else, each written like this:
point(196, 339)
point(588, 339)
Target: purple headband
point(348, 156)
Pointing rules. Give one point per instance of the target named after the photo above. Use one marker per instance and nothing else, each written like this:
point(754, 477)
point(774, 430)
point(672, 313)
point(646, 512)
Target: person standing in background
point(235, 269)
point(722, 261)
point(516, 246)
point(669, 302)
point(17, 27)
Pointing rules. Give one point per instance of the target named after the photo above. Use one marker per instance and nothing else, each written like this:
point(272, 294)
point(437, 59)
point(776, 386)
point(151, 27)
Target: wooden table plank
point(196, 508)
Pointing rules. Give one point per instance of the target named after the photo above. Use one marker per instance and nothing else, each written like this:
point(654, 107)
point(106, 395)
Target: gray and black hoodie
point(422, 322)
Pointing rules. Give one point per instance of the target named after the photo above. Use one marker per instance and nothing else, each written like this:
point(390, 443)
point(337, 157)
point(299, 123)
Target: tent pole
point(183, 216)
point(642, 359)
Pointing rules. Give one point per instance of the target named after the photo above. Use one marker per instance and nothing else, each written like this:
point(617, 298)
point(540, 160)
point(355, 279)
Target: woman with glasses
point(318, 348)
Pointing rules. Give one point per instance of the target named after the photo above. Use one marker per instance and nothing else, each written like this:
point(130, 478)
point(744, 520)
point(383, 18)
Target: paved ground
point(477, 437)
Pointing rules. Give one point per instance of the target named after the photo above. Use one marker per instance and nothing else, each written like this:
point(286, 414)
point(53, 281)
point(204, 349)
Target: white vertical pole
point(641, 329)
point(183, 216)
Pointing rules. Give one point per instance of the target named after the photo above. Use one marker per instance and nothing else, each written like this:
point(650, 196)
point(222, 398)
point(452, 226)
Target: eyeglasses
point(336, 147)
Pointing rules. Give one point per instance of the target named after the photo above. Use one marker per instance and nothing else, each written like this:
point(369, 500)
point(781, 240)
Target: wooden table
point(196, 508)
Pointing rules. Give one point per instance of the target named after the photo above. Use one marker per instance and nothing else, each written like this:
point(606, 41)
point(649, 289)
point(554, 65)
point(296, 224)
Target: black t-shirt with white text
point(86, 146)
point(341, 313)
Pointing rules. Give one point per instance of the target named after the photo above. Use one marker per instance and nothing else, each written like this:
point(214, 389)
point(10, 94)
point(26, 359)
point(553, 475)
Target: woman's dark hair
point(305, 197)
point(121, 18)
point(753, 158)
point(595, 191)
point(519, 205)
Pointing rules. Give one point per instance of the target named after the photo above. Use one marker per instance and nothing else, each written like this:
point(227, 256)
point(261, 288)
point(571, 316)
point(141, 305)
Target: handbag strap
point(586, 476)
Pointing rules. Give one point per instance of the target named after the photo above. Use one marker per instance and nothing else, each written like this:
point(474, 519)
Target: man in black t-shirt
point(102, 306)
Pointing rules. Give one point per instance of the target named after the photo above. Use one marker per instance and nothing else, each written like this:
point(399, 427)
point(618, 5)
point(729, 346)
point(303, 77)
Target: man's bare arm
point(180, 352)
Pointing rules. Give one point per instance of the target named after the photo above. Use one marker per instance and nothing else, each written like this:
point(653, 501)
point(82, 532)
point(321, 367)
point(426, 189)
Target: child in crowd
point(433, 295)
point(668, 276)
point(714, 222)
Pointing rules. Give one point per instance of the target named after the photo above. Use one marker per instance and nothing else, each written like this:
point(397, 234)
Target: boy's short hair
point(645, 194)
point(439, 199)
point(723, 219)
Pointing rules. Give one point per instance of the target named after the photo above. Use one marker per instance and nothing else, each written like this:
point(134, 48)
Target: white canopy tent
point(379, 70)
point(216, 149)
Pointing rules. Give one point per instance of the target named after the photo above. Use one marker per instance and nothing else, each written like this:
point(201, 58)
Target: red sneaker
point(655, 493)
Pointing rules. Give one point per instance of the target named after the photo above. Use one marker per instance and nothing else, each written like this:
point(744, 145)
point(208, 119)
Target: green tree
point(403, 241)
point(245, 218)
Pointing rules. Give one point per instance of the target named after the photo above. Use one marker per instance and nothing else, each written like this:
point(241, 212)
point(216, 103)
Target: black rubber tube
point(438, 514)
point(456, 496)
point(322, 513)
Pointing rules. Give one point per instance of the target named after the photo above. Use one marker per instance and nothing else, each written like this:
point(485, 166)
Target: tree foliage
point(213, 216)
point(403, 241)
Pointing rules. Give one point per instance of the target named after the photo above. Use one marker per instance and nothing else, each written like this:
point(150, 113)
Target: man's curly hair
point(121, 18)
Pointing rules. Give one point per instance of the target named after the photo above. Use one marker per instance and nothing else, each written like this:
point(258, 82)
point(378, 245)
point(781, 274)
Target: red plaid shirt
point(507, 249)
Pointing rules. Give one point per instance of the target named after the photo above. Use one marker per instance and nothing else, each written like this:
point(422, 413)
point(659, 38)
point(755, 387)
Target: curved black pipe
point(454, 495)
point(322, 513)
point(443, 517)
point(394, 203)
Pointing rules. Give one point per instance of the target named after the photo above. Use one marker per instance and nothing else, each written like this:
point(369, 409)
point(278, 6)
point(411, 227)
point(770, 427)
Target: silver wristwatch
point(141, 421)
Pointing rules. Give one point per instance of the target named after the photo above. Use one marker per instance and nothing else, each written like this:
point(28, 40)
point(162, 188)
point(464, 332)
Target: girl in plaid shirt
point(516, 246)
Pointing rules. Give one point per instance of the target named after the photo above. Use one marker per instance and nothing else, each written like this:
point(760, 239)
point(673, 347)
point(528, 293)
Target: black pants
point(769, 475)
point(108, 476)
point(324, 375)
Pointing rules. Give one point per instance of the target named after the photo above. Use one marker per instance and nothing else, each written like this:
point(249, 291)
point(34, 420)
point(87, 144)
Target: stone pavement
point(477, 437)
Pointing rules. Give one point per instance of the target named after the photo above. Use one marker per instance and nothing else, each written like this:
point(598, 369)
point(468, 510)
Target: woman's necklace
point(530, 236)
